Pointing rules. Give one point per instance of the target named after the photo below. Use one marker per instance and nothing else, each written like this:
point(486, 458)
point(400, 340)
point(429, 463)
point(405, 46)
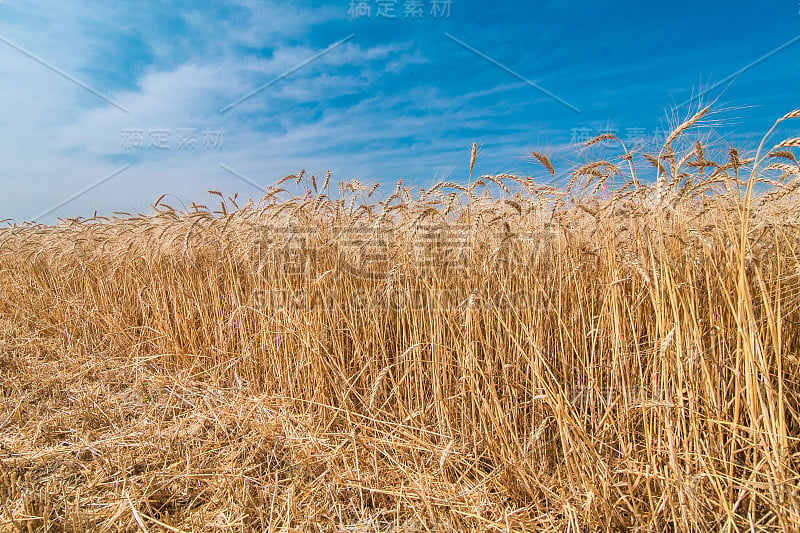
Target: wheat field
point(495, 354)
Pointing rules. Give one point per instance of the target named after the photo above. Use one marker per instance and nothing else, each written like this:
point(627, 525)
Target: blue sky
point(140, 85)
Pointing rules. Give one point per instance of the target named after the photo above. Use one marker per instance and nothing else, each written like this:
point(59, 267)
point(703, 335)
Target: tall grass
point(505, 355)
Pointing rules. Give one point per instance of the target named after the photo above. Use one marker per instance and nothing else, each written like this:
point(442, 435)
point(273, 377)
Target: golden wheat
point(502, 356)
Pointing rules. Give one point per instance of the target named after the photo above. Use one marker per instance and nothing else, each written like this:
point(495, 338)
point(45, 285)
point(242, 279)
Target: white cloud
point(57, 138)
